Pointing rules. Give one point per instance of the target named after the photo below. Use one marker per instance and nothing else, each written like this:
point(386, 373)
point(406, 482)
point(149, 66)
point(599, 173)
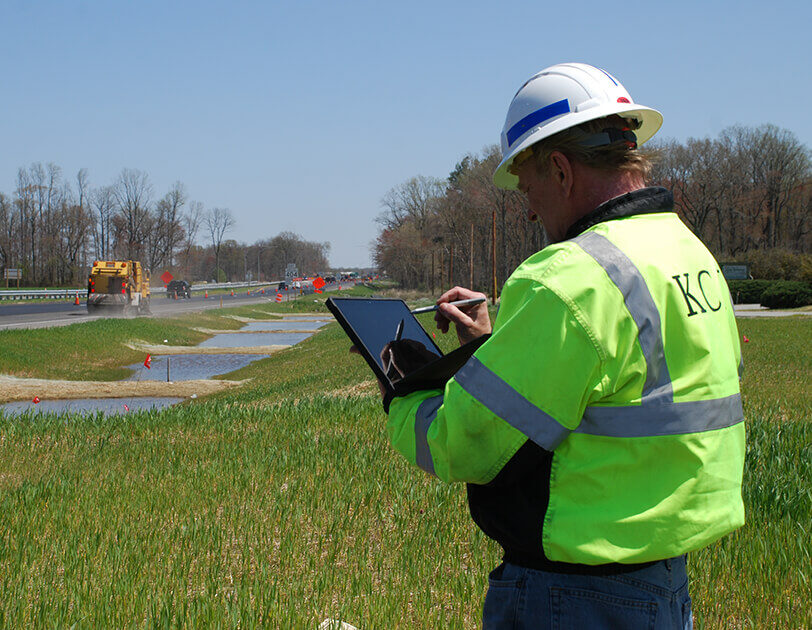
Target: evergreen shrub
point(787, 294)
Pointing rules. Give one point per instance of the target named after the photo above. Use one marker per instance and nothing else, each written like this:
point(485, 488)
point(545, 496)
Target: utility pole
point(493, 254)
point(259, 251)
point(451, 267)
point(471, 256)
point(431, 281)
point(442, 268)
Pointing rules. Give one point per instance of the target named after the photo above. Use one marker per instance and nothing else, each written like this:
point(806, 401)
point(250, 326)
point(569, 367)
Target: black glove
point(404, 357)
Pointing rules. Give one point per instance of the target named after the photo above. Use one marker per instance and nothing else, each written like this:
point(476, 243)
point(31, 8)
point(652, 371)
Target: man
point(599, 428)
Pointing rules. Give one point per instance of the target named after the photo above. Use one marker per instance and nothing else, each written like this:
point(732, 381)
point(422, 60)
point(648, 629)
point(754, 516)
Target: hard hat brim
point(651, 121)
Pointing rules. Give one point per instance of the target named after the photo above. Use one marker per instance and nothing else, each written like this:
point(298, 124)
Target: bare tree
point(286, 248)
point(166, 231)
point(412, 200)
point(8, 243)
point(29, 225)
point(191, 225)
point(103, 202)
point(133, 192)
point(218, 221)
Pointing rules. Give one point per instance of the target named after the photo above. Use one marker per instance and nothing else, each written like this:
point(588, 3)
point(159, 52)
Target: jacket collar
point(642, 201)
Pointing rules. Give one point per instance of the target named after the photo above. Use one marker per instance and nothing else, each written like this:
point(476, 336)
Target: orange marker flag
point(746, 340)
point(35, 400)
point(148, 362)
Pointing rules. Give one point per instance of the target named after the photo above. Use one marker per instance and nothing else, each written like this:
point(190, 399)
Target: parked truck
point(118, 284)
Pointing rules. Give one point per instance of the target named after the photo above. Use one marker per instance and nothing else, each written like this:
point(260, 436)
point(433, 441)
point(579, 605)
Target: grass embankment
point(759, 576)
point(97, 350)
point(281, 504)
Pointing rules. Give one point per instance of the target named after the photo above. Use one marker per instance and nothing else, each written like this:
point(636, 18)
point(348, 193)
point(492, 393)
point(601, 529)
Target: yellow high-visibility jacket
point(617, 353)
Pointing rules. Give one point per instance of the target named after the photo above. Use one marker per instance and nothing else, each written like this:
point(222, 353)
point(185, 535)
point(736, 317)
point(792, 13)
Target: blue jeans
point(654, 598)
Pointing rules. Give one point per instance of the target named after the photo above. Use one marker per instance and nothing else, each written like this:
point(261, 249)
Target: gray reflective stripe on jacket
point(657, 414)
point(631, 284)
point(675, 418)
point(426, 413)
point(501, 399)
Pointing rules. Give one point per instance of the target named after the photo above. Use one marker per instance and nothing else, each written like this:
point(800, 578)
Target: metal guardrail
point(57, 294)
point(32, 294)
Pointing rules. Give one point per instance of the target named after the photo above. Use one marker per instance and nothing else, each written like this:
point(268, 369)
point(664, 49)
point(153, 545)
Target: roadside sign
point(735, 271)
point(290, 272)
point(166, 277)
point(13, 274)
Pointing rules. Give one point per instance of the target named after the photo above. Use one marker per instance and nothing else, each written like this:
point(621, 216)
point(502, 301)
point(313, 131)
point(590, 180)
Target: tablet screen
point(376, 322)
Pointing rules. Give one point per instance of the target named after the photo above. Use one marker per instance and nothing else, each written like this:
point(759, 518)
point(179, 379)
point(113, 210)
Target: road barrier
point(61, 294)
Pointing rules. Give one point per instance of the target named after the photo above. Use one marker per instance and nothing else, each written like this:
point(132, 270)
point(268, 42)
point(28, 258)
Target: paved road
point(756, 310)
point(45, 314)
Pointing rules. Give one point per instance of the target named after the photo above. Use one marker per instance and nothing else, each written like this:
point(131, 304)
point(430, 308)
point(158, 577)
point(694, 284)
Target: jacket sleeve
point(531, 380)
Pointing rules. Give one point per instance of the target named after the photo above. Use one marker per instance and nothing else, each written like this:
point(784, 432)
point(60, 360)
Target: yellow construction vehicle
point(119, 284)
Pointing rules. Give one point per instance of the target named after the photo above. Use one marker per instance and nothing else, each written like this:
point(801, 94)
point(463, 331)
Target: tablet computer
point(372, 323)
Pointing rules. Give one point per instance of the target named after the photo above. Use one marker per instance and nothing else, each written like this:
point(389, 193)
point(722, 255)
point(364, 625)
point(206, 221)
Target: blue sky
point(301, 115)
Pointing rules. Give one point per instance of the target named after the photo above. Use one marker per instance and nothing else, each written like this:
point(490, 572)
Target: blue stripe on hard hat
point(536, 118)
point(611, 78)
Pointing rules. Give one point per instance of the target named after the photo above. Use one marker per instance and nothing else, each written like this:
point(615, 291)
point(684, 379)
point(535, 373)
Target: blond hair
point(617, 156)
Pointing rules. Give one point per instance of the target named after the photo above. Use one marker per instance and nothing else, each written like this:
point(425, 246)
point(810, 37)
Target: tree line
point(743, 193)
point(53, 228)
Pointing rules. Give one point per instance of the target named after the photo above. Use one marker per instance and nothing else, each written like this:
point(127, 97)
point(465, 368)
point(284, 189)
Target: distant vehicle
point(180, 289)
point(329, 279)
point(283, 286)
point(119, 284)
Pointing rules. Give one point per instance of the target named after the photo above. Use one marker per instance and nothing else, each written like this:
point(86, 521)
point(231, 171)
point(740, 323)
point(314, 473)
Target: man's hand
point(471, 321)
point(403, 357)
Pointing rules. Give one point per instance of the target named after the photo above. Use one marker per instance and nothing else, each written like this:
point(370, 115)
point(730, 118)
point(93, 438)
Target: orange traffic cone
point(206, 296)
point(176, 295)
point(76, 301)
point(232, 292)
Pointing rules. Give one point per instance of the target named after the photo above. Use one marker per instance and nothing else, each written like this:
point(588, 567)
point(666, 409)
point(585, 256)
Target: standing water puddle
point(239, 340)
point(275, 333)
point(191, 367)
point(184, 367)
point(88, 405)
point(286, 326)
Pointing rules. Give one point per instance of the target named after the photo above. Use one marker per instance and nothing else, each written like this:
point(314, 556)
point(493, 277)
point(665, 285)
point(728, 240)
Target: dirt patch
point(164, 350)
point(211, 331)
point(359, 390)
point(12, 388)
point(299, 317)
point(364, 388)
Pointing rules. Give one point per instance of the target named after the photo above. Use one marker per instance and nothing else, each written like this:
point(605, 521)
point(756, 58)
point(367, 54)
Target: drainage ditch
point(180, 368)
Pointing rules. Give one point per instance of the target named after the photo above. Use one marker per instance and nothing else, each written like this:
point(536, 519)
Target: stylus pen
point(428, 309)
point(399, 330)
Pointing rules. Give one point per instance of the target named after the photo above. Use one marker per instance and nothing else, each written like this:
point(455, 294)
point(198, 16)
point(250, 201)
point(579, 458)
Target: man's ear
point(562, 172)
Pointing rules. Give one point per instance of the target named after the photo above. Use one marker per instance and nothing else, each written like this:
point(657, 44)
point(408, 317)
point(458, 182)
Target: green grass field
point(281, 504)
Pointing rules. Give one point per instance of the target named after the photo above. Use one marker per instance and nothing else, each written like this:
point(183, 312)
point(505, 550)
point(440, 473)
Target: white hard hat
point(560, 97)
